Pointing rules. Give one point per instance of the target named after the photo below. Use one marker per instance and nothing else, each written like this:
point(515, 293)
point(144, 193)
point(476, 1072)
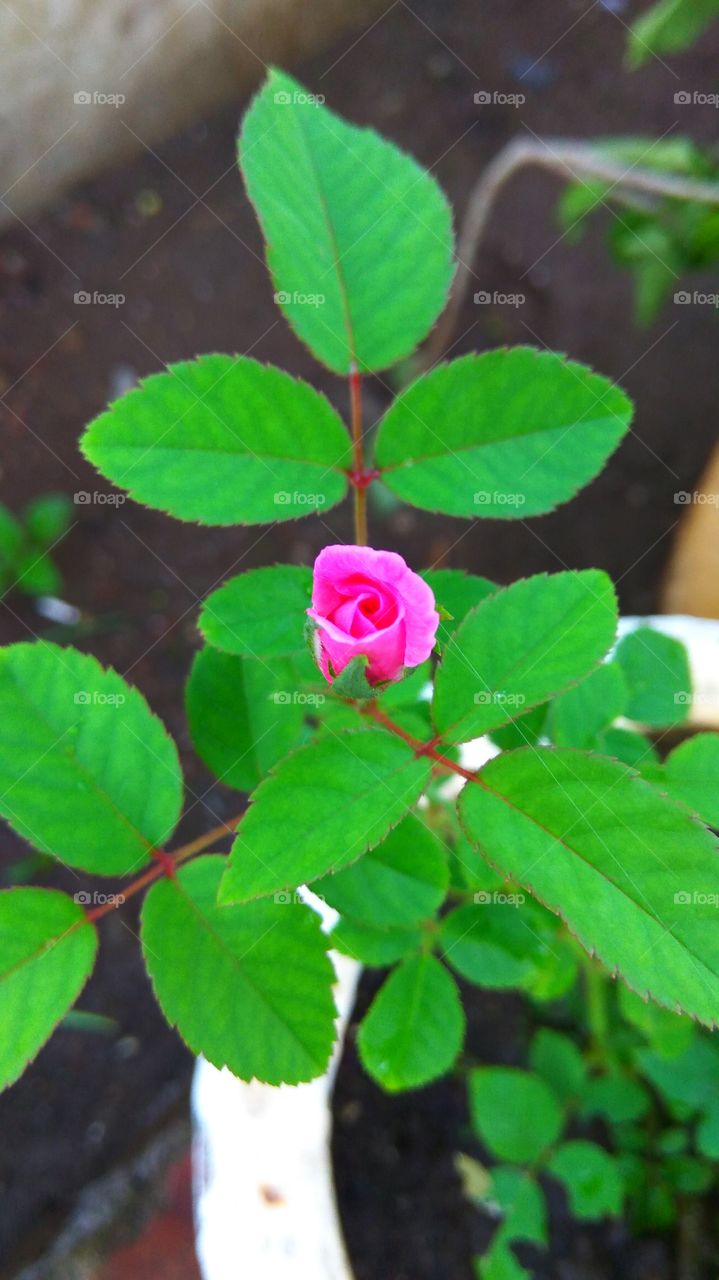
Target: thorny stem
point(358, 478)
point(573, 161)
point(420, 748)
point(165, 864)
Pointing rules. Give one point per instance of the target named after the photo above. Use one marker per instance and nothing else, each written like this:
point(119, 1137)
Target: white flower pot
point(264, 1194)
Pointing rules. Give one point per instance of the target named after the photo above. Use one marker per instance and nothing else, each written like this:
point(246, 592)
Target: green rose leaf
point(667, 27)
point(656, 670)
point(490, 944)
point(456, 593)
point(632, 874)
point(508, 434)
point(87, 772)
point(321, 809)
point(559, 1062)
point(402, 881)
point(578, 717)
point(47, 951)
point(414, 1028)
point(244, 714)
point(691, 773)
point(619, 1099)
point(249, 987)
point(591, 1179)
point(372, 946)
point(514, 1112)
point(520, 647)
point(359, 237)
point(223, 440)
point(260, 614)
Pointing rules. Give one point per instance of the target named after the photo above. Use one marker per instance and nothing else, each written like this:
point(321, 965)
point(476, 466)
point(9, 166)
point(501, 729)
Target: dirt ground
point(174, 233)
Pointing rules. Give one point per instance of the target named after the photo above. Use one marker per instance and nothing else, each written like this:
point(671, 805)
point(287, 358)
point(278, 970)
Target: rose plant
point(341, 698)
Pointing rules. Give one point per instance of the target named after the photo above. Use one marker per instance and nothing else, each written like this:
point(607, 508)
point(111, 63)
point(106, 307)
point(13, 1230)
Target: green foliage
point(667, 27)
point(519, 1200)
point(223, 440)
point(47, 951)
point(514, 1112)
point(508, 434)
point(415, 1026)
point(244, 714)
point(490, 943)
point(456, 593)
point(559, 1062)
point(259, 614)
point(26, 542)
point(493, 670)
point(372, 945)
point(590, 1177)
point(691, 773)
point(337, 798)
point(656, 670)
point(400, 882)
point(359, 237)
point(578, 717)
point(661, 238)
point(630, 872)
point(87, 772)
point(250, 986)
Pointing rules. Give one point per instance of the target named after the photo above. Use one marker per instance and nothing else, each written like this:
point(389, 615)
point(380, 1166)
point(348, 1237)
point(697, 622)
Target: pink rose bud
point(370, 602)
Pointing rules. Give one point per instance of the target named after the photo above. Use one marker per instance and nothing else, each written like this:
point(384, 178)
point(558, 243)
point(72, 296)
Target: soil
point(174, 233)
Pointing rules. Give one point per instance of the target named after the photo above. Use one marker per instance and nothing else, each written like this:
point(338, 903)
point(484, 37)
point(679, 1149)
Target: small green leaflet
point(47, 951)
point(456, 593)
point(377, 948)
point(632, 874)
point(591, 1178)
point(244, 714)
point(691, 774)
point(508, 434)
point(414, 1028)
point(359, 236)
point(87, 772)
point(260, 614)
point(577, 717)
point(402, 881)
point(249, 987)
point(489, 944)
point(518, 648)
point(656, 670)
point(667, 27)
point(321, 809)
point(524, 1218)
point(514, 1112)
point(223, 440)
point(556, 1058)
